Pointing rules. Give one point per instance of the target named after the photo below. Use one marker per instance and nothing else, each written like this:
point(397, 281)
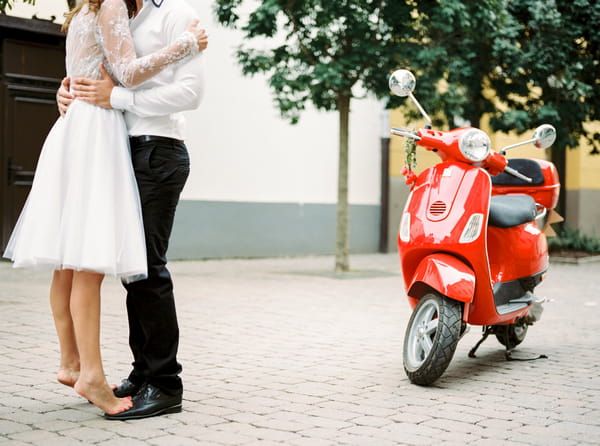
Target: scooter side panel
point(527, 256)
point(442, 200)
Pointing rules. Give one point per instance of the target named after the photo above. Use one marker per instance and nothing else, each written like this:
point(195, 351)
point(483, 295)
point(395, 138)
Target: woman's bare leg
point(85, 310)
point(60, 296)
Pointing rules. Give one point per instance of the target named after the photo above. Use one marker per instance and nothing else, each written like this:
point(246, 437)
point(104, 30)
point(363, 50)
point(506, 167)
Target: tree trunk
point(342, 242)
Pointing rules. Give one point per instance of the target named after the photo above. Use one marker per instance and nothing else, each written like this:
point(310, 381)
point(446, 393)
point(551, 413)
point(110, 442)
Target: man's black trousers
point(161, 168)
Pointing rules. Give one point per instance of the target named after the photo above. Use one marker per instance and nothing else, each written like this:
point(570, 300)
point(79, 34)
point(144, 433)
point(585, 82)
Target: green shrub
point(573, 240)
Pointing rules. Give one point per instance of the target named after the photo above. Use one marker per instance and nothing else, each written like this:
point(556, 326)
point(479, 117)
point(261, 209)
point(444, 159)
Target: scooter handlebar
point(516, 173)
point(405, 132)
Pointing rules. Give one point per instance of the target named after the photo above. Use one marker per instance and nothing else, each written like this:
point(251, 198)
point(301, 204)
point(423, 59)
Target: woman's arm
point(183, 93)
point(117, 43)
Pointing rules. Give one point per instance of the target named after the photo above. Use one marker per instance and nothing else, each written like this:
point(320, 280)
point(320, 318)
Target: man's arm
point(184, 93)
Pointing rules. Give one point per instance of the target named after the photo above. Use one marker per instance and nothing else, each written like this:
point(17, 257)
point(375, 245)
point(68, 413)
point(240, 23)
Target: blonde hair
point(94, 6)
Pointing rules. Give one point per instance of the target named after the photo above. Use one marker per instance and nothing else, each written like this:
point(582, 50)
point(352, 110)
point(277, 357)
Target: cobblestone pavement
point(279, 352)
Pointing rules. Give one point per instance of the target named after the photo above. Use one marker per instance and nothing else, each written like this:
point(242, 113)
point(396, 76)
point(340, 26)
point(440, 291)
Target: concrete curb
point(575, 260)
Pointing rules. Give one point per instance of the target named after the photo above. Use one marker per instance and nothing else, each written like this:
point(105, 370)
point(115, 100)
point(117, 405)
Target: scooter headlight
point(475, 145)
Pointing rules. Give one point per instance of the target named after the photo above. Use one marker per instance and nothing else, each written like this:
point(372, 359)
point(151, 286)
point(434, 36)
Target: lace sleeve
point(115, 38)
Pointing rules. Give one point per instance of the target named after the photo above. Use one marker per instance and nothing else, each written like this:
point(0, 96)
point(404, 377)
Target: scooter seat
point(507, 211)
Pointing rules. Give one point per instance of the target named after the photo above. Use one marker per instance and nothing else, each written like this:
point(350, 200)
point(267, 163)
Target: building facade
point(260, 186)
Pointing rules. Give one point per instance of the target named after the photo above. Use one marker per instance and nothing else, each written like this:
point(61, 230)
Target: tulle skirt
point(83, 211)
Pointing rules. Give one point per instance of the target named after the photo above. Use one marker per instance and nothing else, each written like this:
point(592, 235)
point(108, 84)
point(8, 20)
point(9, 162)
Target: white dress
point(83, 211)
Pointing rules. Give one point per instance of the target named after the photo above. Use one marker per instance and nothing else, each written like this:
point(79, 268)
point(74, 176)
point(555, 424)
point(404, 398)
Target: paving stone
point(10, 427)
point(275, 356)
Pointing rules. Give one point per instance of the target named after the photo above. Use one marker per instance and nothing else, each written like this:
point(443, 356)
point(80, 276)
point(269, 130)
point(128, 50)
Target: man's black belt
point(151, 138)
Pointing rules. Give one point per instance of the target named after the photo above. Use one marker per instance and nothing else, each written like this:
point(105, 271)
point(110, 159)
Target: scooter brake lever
point(516, 173)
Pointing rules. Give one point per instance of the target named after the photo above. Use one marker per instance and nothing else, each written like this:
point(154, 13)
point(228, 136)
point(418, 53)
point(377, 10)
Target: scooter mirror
point(402, 83)
point(544, 136)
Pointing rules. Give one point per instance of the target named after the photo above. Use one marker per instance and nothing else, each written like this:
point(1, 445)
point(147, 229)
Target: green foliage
point(554, 63)
point(7, 4)
point(451, 41)
point(573, 240)
point(540, 59)
point(320, 49)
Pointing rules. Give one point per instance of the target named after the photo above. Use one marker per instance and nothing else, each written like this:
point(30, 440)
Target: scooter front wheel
point(431, 338)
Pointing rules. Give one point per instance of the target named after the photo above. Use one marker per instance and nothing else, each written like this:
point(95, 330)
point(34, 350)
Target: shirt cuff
point(121, 98)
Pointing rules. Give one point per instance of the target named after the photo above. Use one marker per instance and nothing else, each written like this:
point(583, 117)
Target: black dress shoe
point(149, 402)
point(127, 388)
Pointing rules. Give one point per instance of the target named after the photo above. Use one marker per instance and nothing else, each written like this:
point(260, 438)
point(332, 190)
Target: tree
point(451, 51)
point(554, 71)
point(523, 62)
point(551, 74)
point(321, 50)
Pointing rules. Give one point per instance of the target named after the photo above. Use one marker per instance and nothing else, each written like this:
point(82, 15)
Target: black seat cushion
point(527, 167)
point(507, 211)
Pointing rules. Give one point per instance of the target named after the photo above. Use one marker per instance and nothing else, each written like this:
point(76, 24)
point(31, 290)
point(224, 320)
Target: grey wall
point(583, 211)
point(213, 229)
point(398, 194)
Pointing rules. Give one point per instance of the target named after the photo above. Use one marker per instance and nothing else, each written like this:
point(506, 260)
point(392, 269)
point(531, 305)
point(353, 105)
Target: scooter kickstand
point(487, 331)
point(508, 356)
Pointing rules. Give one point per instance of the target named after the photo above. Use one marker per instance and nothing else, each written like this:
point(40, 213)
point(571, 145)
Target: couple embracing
point(105, 191)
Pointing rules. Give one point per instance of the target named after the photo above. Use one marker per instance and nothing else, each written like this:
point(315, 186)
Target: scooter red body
point(471, 240)
point(442, 201)
point(472, 249)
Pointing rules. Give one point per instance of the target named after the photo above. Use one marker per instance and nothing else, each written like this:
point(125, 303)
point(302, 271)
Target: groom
point(161, 164)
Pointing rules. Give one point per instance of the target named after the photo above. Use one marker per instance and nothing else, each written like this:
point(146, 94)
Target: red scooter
point(471, 240)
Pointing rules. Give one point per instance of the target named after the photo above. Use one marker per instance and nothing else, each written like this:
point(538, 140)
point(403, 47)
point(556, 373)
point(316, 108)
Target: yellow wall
point(583, 169)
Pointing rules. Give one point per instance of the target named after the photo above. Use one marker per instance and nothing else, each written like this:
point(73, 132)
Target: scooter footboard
point(447, 275)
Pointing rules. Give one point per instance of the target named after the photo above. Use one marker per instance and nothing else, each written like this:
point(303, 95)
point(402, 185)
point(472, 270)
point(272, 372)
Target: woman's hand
point(199, 34)
point(63, 96)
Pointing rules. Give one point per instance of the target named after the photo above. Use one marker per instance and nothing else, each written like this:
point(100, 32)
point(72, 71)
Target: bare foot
point(102, 396)
point(67, 376)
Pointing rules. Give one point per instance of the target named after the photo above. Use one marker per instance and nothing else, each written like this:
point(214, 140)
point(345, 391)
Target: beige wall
point(43, 9)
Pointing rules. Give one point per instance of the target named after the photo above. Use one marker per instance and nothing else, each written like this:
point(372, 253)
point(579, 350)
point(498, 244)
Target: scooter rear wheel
point(431, 338)
point(511, 335)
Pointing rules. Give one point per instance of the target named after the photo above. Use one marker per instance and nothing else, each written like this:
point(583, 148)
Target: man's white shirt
point(155, 107)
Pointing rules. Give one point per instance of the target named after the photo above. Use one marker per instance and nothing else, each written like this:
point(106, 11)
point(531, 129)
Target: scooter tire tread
point(444, 343)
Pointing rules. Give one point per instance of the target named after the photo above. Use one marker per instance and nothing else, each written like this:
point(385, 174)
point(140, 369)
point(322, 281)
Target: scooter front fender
point(447, 275)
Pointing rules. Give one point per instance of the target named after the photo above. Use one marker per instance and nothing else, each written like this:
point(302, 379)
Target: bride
point(82, 218)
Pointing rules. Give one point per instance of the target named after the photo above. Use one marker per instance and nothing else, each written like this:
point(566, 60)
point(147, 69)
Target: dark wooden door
point(32, 66)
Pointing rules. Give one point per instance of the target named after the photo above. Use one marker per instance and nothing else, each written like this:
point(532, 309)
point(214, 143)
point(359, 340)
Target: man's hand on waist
point(63, 97)
point(94, 91)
